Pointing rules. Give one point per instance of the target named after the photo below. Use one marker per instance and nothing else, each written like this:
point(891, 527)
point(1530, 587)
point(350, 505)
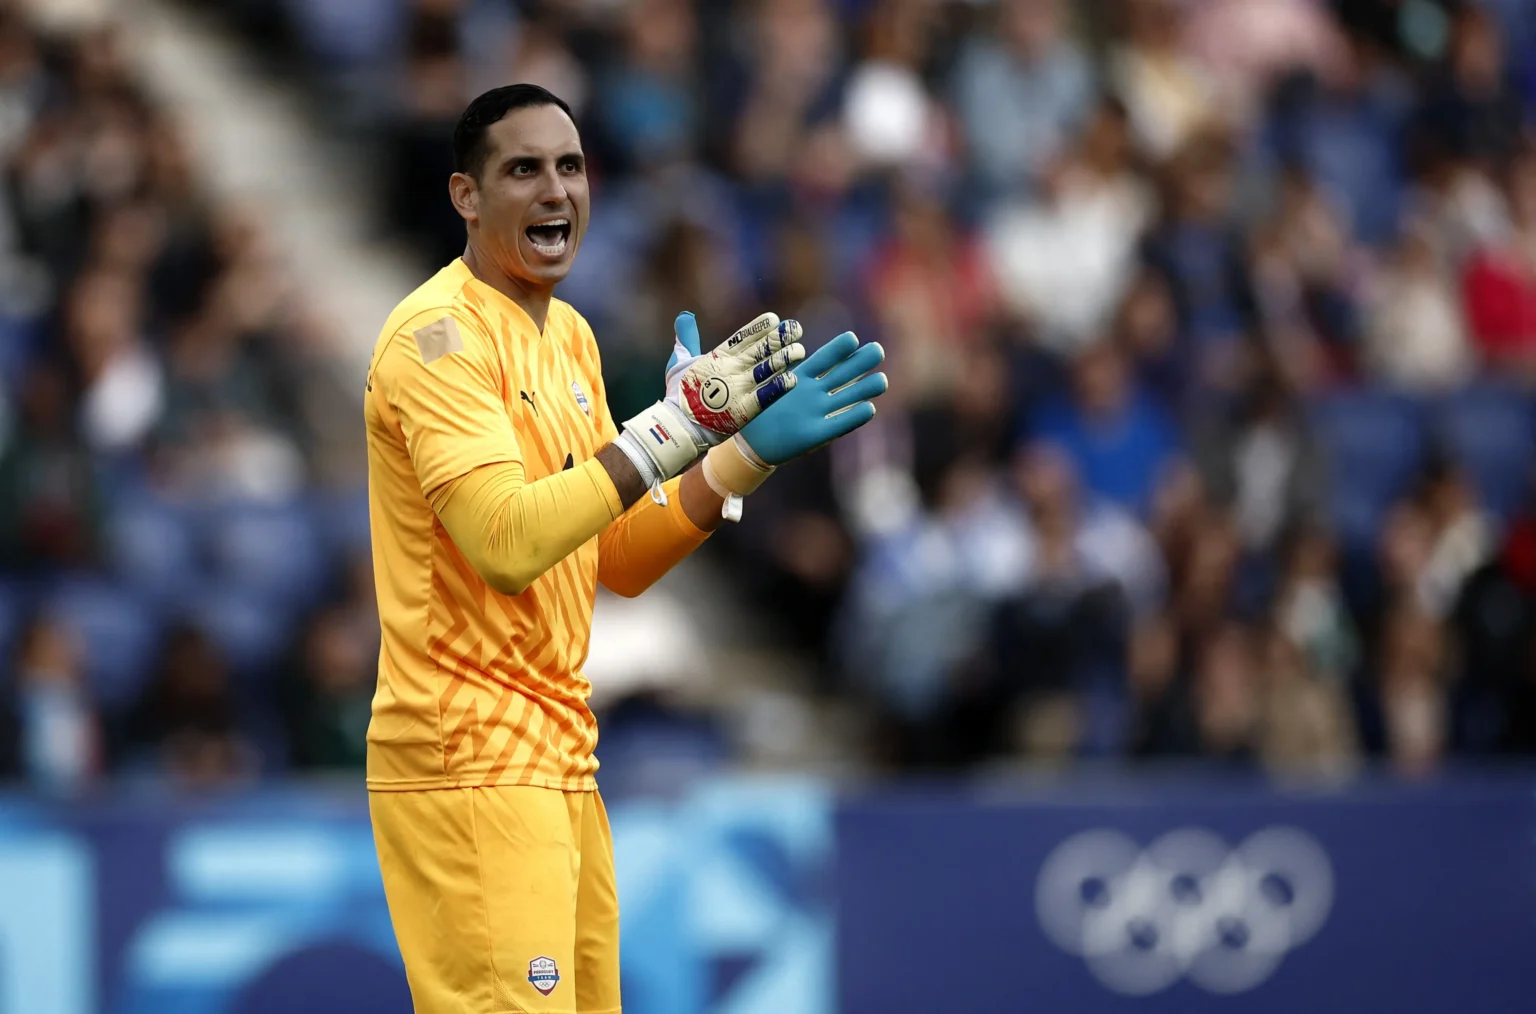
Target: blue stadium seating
point(152, 549)
point(249, 630)
point(15, 604)
point(342, 520)
point(1375, 443)
point(1491, 432)
point(271, 551)
point(118, 631)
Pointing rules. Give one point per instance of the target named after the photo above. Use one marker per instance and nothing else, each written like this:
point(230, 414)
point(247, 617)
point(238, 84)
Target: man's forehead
point(536, 130)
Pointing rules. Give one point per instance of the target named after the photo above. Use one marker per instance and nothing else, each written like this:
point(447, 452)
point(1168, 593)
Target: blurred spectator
point(1227, 707)
point(540, 56)
point(1086, 569)
point(646, 104)
point(1495, 629)
point(1302, 263)
point(49, 499)
point(932, 295)
point(22, 81)
point(1457, 205)
point(1247, 46)
point(918, 607)
point(1414, 331)
point(1146, 326)
point(1071, 538)
point(1065, 260)
point(333, 700)
point(803, 280)
point(1461, 537)
point(1167, 92)
point(1413, 690)
point(1197, 250)
point(1310, 611)
point(187, 723)
point(1262, 460)
point(888, 115)
point(1347, 134)
point(1119, 440)
point(1225, 229)
point(419, 140)
point(58, 730)
point(1471, 109)
point(1500, 281)
point(793, 83)
point(1206, 569)
point(123, 392)
point(1162, 724)
point(1307, 726)
point(1021, 94)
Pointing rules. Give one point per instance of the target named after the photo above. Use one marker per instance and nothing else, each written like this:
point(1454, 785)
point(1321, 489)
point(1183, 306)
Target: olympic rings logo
point(1186, 906)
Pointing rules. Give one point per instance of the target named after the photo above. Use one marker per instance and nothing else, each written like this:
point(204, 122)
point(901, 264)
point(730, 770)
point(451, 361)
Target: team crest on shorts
point(581, 398)
point(544, 974)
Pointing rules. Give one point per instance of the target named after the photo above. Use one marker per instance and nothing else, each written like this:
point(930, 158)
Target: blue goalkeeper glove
point(833, 396)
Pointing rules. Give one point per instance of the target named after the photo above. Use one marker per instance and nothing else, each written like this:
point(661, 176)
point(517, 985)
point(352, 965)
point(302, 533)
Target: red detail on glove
point(720, 422)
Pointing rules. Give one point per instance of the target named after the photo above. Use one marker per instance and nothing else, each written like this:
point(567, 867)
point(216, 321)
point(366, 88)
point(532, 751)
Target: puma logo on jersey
point(529, 399)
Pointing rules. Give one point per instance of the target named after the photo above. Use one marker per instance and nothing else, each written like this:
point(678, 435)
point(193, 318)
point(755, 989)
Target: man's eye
point(570, 167)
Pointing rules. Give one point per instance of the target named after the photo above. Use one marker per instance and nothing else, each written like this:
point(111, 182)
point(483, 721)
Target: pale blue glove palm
point(829, 400)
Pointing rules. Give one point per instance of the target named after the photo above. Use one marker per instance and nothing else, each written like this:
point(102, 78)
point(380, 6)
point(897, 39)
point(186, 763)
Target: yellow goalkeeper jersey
point(477, 687)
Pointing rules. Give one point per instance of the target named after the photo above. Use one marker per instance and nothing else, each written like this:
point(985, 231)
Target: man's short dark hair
point(470, 149)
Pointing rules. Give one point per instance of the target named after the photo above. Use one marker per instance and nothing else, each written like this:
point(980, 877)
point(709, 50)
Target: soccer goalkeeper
point(501, 493)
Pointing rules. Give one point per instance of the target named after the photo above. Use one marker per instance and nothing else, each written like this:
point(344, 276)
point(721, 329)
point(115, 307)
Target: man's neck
point(534, 302)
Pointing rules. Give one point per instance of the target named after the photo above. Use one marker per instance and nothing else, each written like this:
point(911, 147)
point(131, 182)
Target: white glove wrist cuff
point(664, 437)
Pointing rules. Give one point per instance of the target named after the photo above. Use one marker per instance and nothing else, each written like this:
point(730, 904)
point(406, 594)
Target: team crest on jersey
point(581, 398)
point(544, 974)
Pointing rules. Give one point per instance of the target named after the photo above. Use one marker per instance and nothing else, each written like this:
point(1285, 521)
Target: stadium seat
point(1374, 441)
point(152, 549)
point(656, 750)
point(271, 551)
point(116, 629)
point(248, 629)
point(342, 518)
point(19, 339)
point(15, 604)
point(1488, 430)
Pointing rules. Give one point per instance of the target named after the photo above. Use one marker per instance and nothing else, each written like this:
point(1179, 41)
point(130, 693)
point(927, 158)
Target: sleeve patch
point(438, 339)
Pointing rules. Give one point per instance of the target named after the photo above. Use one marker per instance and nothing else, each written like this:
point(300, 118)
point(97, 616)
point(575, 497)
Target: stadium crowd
point(179, 593)
point(1212, 335)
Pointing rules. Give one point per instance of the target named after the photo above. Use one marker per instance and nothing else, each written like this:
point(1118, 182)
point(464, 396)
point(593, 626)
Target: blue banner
point(1186, 899)
point(273, 902)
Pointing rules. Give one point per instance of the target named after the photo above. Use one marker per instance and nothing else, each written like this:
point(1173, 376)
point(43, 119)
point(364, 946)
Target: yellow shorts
point(503, 898)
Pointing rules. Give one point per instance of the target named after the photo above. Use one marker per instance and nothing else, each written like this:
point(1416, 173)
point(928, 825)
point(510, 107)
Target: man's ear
point(465, 194)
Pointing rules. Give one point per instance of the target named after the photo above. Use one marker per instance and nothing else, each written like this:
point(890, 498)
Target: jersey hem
point(477, 781)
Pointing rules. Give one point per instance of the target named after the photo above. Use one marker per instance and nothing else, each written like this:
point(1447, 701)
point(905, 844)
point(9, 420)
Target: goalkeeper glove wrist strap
point(732, 470)
point(660, 443)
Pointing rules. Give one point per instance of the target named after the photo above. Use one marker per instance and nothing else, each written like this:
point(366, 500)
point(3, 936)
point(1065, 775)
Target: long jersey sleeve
point(645, 542)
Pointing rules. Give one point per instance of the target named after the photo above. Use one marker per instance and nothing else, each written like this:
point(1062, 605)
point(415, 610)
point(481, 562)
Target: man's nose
point(552, 191)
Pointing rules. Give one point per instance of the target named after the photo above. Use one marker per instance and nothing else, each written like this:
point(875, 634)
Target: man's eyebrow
point(529, 159)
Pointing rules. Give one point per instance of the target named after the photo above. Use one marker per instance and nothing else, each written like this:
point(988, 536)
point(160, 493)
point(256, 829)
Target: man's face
point(530, 204)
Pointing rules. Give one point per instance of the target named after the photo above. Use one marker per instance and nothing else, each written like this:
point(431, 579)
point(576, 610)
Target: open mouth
point(549, 239)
